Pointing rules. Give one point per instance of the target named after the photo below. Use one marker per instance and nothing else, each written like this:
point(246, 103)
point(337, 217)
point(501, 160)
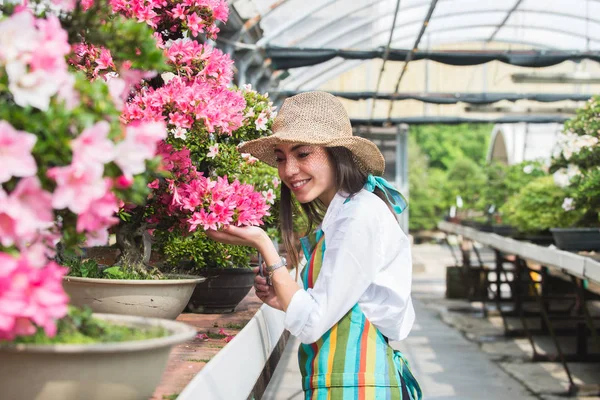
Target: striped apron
point(352, 360)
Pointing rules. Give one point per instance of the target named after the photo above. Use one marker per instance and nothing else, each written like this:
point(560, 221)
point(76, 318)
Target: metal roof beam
point(410, 55)
point(510, 12)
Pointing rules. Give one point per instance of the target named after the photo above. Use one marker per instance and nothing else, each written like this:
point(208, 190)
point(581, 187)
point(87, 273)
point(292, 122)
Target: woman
point(357, 276)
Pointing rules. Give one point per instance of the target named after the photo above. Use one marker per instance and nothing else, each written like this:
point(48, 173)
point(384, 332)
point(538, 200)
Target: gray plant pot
point(577, 239)
point(116, 371)
point(144, 298)
point(223, 290)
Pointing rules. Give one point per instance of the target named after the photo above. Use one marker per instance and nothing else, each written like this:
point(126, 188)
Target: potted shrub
point(205, 120)
point(576, 166)
point(227, 269)
point(502, 182)
point(538, 206)
point(462, 188)
point(59, 184)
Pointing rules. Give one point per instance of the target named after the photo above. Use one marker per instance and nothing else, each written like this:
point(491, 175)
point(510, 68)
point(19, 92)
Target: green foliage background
point(444, 160)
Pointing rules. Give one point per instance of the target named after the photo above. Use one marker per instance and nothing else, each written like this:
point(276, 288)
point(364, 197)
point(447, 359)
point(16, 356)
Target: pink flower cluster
point(195, 200)
point(191, 104)
point(32, 51)
point(195, 16)
point(192, 59)
point(29, 295)
point(81, 186)
point(215, 204)
point(94, 61)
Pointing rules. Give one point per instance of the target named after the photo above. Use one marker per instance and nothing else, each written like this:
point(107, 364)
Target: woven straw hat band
point(316, 118)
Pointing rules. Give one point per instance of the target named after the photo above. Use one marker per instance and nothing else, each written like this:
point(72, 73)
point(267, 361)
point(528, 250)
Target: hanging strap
point(412, 386)
point(393, 196)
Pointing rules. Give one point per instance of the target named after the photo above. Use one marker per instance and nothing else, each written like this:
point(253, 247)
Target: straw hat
point(316, 118)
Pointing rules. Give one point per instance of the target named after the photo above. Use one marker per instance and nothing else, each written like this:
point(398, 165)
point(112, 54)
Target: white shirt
point(367, 261)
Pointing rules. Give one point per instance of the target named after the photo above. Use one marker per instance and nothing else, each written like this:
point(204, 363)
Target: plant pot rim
point(574, 229)
point(189, 279)
point(178, 333)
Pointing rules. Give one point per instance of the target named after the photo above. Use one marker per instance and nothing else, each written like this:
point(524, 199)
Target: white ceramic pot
point(165, 298)
point(116, 371)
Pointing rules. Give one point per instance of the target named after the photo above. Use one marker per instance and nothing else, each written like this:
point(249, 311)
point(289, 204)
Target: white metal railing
point(233, 372)
point(574, 264)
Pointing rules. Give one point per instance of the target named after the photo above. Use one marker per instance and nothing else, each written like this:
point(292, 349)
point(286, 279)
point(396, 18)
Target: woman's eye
point(278, 160)
point(303, 155)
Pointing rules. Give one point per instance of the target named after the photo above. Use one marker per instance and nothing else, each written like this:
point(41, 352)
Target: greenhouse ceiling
point(271, 40)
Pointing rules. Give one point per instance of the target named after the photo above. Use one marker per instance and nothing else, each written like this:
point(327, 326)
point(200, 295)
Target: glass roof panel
point(366, 24)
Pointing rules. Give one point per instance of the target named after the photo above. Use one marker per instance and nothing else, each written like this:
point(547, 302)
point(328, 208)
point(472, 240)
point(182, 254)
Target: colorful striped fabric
point(353, 359)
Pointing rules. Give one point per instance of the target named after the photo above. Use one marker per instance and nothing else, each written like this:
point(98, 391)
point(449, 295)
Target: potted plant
point(538, 206)
point(227, 269)
point(205, 120)
point(502, 182)
point(576, 166)
point(58, 184)
point(462, 188)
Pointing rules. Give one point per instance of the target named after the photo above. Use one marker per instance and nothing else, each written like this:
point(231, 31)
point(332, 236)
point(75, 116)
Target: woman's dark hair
point(349, 178)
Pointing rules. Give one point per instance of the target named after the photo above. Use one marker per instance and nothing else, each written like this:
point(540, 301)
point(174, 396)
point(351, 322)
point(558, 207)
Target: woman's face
point(307, 171)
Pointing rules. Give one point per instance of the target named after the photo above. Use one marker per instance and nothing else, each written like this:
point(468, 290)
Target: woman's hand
point(252, 236)
point(265, 292)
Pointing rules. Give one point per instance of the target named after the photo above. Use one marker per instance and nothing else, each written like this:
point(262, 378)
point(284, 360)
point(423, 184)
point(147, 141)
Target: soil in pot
point(222, 290)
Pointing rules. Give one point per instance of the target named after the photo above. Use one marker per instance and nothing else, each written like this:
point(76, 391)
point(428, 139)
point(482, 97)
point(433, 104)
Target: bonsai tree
point(503, 181)
point(205, 120)
point(464, 182)
point(576, 164)
point(538, 206)
point(68, 162)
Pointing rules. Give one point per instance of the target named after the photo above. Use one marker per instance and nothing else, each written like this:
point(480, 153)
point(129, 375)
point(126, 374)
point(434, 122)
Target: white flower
point(561, 179)
point(247, 87)
point(250, 113)
point(18, 38)
point(261, 122)
point(568, 204)
point(276, 182)
point(167, 76)
point(528, 169)
point(31, 88)
point(213, 150)
point(269, 196)
point(180, 133)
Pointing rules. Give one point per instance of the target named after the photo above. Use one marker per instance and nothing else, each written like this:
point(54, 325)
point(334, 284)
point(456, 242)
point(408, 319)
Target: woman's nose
point(291, 167)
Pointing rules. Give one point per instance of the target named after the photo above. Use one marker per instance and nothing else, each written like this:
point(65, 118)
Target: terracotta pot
point(116, 371)
point(165, 298)
point(222, 291)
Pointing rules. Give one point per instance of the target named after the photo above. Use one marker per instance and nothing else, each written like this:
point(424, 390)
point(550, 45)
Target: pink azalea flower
point(213, 150)
point(30, 295)
point(276, 182)
point(78, 185)
point(140, 144)
point(101, 212)
point(15, 152)
point(269, 196)
point(93, 145)
point(180, 133)
point(261, 122)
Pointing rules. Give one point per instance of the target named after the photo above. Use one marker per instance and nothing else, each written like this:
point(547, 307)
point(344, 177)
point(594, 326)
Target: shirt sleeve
point(351, 259)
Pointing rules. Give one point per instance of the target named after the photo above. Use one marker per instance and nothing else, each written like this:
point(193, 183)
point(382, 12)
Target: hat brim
point(366, 154)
